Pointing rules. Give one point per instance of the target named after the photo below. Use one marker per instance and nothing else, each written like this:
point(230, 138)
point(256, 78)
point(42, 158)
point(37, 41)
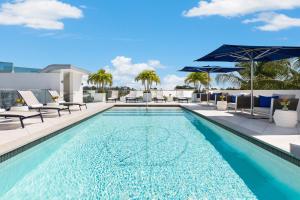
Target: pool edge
point(266, 146)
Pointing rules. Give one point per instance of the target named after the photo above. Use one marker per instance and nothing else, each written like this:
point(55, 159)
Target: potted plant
point(285, 103)
point(222, 97)
point(55, 98)
point(147, 77)
point(101, 78)
point(197, 79)
point(19, 102)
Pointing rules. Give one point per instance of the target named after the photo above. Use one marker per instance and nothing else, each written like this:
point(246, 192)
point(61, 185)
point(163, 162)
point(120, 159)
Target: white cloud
point(124, 70)
point(235, 8)
point(38, 14)
point(232, 8)
point(171, 80)
point(274, 21)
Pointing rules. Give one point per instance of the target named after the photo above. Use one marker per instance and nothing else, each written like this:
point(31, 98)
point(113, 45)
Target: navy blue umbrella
point(242, 53)
point(211, 69)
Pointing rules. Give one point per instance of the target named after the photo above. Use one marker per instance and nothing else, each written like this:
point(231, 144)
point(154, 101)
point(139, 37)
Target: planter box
point(100, 97)
point(221, 105)
point(147, 97)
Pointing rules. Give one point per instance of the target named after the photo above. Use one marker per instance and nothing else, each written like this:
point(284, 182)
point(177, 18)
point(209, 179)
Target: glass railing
point(8, 97)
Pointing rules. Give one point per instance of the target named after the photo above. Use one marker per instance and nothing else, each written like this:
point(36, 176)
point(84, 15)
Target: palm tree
point(148, 77)
point(101, 78)
point(267, 75)
point(197, 79)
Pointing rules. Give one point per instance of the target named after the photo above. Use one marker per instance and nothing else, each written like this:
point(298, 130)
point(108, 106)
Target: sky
point(128, 36)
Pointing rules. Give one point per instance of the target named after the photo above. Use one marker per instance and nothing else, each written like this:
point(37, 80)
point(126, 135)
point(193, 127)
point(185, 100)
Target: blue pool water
point(128, 153)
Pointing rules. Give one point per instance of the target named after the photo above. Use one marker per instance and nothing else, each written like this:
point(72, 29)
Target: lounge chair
point(159, 97)
point(265, 105)
point(180, 97)
point(32, 102)
point(114, 96)
point(131, 97)
point(214, 97)
point(60, 101)
point(21, 115)
point(238, 102)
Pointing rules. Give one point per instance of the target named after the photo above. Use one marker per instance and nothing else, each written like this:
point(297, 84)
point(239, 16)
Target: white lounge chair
point(33, 103)
point(60, 100)
point(180, 96)
point(159, 96)
point(114, 96)
point(132, 96)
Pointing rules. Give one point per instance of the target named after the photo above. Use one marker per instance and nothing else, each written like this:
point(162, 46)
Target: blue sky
point(125, 36)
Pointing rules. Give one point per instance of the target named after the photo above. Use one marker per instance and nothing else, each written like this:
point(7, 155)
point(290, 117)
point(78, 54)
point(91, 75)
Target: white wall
point(76, 89)
point(25, 81)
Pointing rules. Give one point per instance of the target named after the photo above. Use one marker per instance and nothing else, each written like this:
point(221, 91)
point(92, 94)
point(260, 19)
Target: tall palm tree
point(267, 75)
point(101, 78)
point(148, 77)
point(197, 79)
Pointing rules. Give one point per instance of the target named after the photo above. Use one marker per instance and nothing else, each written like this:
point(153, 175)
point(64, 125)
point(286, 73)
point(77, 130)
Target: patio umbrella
point(242, 53)
point(211, 69)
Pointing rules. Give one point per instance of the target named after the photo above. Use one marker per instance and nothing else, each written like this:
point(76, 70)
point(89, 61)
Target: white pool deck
point(13, 136)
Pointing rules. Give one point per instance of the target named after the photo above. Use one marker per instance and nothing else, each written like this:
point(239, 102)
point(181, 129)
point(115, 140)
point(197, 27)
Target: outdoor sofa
point(60, 101)
point(32, 102)
point(263, 105)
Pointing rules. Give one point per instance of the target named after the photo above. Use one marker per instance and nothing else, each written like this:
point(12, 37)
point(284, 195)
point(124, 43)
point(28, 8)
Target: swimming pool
point(162, 153)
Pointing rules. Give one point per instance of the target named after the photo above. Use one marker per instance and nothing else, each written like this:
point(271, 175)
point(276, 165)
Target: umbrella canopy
point(242, 53)
point(211, 69)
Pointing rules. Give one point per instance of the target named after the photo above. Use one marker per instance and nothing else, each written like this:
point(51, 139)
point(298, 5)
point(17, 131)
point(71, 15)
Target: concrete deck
point(13, 136)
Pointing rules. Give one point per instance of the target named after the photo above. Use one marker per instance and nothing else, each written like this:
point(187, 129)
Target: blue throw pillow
point(233, 99)
point(266, 101)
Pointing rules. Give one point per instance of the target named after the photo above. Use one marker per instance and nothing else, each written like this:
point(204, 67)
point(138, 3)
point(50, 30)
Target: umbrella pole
point(252, 97)
point(208, 77)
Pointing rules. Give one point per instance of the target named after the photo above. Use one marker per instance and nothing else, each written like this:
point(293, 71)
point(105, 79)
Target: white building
point(64, 78)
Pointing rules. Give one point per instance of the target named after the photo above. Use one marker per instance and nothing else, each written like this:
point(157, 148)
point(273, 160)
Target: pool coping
point(266, 146)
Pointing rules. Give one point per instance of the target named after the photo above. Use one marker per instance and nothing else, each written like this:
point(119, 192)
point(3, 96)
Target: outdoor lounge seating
point(32, 102)
point(238, 102)
point(21, 115)
point(267, 105)
point(114, 96)
point(180, 96)
point(159, 97)
point(214, 97)
point(54, 94)
point(131, 97)
point(263, 105)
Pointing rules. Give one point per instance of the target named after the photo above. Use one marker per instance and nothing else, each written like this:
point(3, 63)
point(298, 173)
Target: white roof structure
point(65, 67)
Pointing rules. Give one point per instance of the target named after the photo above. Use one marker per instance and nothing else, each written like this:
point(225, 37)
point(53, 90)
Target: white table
point(221, 105)
point(284, 118)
